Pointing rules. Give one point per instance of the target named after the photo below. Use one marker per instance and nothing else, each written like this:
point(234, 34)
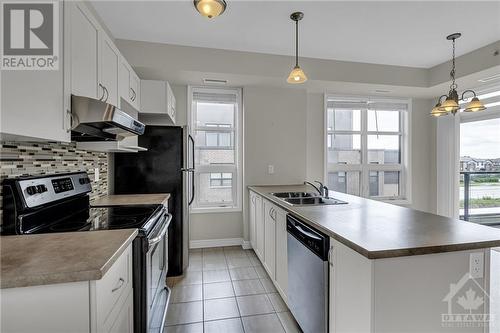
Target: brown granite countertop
point(132, 199)
point(380, 230)
point(32, 260)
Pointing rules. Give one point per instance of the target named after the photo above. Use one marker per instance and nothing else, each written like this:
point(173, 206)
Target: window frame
point(237, 146)
point(404, 167)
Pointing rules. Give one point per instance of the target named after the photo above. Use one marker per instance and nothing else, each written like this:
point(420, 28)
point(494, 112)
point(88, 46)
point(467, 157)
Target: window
point(221, 179)
point(215, 120)
point(366, 143)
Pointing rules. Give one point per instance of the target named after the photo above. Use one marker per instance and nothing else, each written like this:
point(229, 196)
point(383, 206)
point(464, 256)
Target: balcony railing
point(480, 197)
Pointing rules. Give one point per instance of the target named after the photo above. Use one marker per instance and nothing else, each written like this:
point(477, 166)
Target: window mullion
point(364, 153)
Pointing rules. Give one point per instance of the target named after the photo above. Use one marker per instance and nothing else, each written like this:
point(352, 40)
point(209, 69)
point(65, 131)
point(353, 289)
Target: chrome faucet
point(322, 189)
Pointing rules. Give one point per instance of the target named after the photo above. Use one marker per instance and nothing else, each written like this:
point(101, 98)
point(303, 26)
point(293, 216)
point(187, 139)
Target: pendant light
point(297, 75)
point(210, 8)
point(451, 101)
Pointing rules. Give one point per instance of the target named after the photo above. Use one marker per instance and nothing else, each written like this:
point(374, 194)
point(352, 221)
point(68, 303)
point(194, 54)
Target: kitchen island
point(391, 269)
point(79, 282)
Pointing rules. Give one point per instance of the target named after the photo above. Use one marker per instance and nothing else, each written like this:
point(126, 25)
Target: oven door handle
point(162, 232)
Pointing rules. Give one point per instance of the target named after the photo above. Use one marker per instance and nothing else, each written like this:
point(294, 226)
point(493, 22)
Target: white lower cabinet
point(281, 253)
point(259, 228)
point(268, 237)
point(251, 224)
point(103, 306)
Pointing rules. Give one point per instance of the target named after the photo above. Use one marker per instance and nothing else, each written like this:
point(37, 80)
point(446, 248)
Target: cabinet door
point(171, 104)
point(84, 40)
point(33, 103)
point(281, 253)
point(259, 228)
point(251, 225)
point(124, 82)
point(108, 69)
point(124, 321)
point(135, 89)
point(153, 97)
point(270, 239)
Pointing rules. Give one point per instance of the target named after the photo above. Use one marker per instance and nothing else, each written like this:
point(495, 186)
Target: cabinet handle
point(107, 94)
point(134, 95)
point(69, 118)
point(120, 284)
point(330, 256)
point(103, 91)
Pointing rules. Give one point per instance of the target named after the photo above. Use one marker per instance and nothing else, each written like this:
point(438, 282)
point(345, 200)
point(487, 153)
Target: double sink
point(306, 199)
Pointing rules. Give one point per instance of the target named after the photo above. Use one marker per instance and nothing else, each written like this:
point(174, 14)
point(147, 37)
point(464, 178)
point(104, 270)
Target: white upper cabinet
point(32, 102)
point(83, 38)
point(128, 85)
point(135, 90)
point(158, 98)
point(97, 68)
point(108, 69)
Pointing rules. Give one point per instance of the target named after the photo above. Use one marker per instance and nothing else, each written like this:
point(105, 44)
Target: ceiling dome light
point(297, 75)
point(475, 105)
point(210, 8)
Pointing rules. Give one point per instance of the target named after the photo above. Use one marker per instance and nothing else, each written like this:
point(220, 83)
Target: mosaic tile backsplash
point(35, 158)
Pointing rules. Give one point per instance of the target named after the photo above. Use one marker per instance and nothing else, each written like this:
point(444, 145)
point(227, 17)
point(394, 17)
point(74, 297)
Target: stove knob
point(41, 188)
point(84, 181)
point(31, 190)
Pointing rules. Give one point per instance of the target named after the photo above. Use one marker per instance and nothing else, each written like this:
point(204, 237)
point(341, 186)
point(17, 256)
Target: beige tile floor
point(226, 290)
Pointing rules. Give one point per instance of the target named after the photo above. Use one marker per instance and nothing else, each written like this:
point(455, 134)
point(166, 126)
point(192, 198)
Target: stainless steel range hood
point(95, 120)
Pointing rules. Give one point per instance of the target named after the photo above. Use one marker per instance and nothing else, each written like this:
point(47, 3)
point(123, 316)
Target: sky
point(480, 139)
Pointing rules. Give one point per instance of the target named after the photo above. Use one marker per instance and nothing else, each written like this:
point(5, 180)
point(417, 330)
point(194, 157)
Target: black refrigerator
point(166, 167)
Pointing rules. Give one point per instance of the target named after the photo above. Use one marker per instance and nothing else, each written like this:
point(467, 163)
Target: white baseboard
point(204, 243)
point(246, 245)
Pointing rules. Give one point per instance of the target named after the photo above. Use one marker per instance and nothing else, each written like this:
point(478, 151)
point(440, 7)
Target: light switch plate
point(270, 169)
point(96, 174)
point(476, 265)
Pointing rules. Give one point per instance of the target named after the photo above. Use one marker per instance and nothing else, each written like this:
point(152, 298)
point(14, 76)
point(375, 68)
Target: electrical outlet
point(96, 174)
point(476, 265)
point(270, 169)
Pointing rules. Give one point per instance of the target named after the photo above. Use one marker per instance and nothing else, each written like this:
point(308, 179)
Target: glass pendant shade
point(475, 105)
point(210, 8)
point(297, 75)
point(449, 105)
point(436, 112)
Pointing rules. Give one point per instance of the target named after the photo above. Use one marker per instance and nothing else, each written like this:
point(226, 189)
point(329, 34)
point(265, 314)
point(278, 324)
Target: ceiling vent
point(215, 82)
point(381, 91)
point(490, 78)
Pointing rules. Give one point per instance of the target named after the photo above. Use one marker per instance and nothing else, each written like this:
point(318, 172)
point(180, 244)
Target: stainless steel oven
point(156, 274)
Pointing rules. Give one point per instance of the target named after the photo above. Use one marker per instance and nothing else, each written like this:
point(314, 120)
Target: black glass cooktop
point(103, 218)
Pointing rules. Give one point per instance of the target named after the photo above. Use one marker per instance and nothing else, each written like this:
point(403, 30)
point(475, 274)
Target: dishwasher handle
point(314, 240)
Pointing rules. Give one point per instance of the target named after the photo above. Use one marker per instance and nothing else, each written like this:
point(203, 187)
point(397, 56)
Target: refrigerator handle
point(192, 150)
point(192, 187)
point(192, 170)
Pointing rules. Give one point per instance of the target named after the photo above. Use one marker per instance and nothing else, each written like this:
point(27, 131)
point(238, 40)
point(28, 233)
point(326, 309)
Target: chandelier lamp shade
point(449, 104)
point(297, 75)
point(210, 8)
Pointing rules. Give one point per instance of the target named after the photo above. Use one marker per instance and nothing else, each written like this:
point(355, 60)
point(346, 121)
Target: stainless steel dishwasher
point(307, 275)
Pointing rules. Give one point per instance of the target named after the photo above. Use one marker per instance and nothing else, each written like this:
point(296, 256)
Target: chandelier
point(451, 101)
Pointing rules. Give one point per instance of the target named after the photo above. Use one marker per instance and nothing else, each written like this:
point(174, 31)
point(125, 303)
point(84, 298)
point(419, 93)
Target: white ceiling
point(400, 33)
